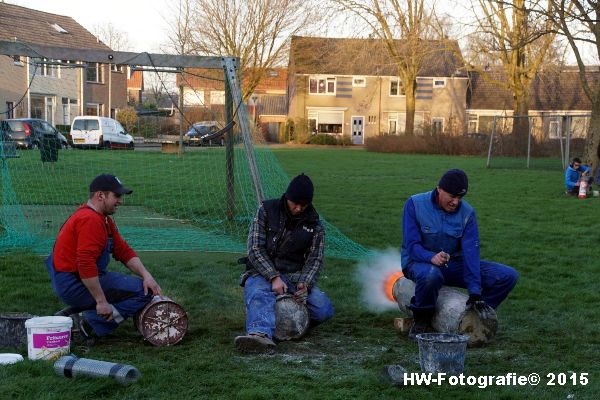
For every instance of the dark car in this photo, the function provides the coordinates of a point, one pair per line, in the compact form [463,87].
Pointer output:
[202,134]
[27,133]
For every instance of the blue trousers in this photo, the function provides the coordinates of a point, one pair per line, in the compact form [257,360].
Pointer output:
[260,305]
[497,280]
[124,292]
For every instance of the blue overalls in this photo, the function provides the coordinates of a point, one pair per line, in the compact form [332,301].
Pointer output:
[124,292]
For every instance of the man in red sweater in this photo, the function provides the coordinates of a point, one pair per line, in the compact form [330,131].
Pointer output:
[78,264]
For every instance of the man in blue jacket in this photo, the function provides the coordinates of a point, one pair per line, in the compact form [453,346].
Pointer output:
[440,246]
[574,173]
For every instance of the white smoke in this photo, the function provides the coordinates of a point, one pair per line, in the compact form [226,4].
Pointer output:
[372,274]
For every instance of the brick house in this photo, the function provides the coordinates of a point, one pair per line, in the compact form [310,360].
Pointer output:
[135,87]
[61,91]
[555,94]
[351,87]
[267,105]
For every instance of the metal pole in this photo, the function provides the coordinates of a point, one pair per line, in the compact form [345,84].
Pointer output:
[110,91]
[181,116]
[528,139]
[487,165]
[242,114]
[229,154]
[560,138]
[568,140]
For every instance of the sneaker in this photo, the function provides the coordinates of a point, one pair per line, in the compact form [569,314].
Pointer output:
[254,343]
[419,327]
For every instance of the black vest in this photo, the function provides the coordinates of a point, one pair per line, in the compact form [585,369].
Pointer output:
[289,238]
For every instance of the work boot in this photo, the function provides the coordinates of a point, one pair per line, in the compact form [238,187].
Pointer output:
[82,332]
[254,343]
[421,323]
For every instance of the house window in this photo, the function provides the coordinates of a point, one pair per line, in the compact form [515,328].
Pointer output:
[117,68]
[217,97]
[330,122]
[396,87]
[193,97]
[59,28]
[93,109]
[372,119]
[359,81]
[18,61]
[554,130]
[473,123]
[10,109]
[393,126]
[437,126]
[48,69]
[322,85]
[94,73]
[439,83]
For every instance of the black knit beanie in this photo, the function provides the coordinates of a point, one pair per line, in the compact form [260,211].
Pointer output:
[300,189]
[454,182]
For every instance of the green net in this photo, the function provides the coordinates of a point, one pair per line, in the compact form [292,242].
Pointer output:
[179,202]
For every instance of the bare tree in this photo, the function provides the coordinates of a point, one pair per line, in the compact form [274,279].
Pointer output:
[256,31]
[113,37]
[404,27]
[181,32]
[579,22]
[518,39]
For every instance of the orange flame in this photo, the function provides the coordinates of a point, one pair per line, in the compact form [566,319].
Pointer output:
[388,284]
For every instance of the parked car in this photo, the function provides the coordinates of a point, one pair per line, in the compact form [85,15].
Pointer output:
[99,132]
[27,133]
[201,134]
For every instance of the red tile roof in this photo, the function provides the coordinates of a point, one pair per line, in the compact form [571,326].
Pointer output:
[33,26]
[344,56]
[212,79]
[550,90]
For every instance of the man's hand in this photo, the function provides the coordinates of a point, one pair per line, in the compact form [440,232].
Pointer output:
[104,309]
[150,283]
[301,293]
[479,306]
[440,259]
[278,285]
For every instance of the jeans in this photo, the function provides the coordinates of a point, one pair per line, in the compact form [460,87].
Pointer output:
[497,280]
[260,305]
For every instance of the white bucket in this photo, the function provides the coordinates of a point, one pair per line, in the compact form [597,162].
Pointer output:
[48,338]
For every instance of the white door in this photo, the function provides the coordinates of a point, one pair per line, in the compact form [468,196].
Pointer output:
[358,128]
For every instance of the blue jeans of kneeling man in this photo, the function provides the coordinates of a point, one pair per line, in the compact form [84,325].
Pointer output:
[260,305]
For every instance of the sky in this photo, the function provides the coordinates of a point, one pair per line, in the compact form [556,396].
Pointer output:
[142,20]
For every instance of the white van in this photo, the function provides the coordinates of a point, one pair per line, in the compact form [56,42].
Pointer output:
[99,132]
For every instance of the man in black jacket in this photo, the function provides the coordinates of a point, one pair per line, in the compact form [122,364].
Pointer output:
[285,255]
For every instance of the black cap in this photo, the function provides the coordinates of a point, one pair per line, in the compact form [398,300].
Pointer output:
[108,183]
[454,182]
[300,189]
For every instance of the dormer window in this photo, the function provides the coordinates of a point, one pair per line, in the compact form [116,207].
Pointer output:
[59,28]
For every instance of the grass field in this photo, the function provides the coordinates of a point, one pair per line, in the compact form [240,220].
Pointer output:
[549,324]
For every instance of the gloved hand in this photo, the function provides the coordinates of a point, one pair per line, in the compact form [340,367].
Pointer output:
[301,293]
[476,303]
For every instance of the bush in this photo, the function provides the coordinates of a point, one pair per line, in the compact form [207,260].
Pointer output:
[128,118]
[323,139]
[448,145]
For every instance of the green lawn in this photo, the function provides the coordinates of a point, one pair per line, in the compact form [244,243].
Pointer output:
[549,324]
